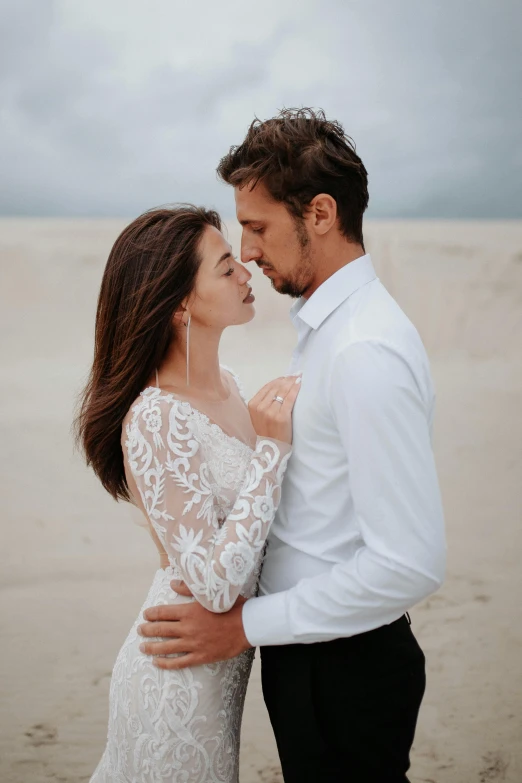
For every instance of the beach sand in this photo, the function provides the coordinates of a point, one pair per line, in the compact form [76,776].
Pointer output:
[75,568]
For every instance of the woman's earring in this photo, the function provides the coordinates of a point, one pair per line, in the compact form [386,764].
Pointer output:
[188,349]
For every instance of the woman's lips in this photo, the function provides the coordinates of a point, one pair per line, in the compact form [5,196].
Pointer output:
[249,298]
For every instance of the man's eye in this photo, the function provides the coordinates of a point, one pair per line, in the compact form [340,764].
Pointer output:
[257,230]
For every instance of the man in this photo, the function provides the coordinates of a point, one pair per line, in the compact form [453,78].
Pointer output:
[358,538]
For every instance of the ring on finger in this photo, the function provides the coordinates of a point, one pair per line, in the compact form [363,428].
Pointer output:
[278,399]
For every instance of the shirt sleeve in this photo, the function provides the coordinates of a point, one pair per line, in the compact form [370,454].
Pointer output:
[384,425]
[215,552]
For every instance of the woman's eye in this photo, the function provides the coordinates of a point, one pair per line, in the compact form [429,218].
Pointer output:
[230,271]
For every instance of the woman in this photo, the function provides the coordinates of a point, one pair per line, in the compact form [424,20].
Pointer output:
[164,426]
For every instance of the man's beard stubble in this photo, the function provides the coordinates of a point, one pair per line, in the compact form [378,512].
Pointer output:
[297,286]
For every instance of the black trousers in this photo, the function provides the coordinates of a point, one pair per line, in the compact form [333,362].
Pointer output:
[346,710]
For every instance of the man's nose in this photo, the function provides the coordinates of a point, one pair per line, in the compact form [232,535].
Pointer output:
[249,251]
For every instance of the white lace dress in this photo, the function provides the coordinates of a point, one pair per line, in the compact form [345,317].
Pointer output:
[209,489]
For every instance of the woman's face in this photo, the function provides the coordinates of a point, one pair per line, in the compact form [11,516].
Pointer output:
[222,293]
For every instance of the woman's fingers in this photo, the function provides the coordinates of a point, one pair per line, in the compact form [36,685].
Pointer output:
[291,396]
[271,412]
[285,388]
[276,388]
[266,391]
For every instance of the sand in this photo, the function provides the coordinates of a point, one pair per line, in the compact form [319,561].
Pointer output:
[75,568]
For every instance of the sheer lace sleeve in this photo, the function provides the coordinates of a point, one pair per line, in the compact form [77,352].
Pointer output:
[212,527]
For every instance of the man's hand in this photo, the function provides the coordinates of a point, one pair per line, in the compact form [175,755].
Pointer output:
[203,636]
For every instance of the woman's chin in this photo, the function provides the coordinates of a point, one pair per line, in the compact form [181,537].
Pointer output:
[247,313]
[250,312]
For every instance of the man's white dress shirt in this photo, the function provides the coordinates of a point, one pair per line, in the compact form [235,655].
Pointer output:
[359,534]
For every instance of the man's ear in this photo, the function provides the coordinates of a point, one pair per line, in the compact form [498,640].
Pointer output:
[322,213]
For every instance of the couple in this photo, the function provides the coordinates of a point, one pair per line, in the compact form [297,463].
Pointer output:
[307,522]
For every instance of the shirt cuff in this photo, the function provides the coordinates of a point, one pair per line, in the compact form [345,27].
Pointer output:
[265,620]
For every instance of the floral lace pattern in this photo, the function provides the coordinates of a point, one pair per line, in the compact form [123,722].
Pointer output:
[210,499]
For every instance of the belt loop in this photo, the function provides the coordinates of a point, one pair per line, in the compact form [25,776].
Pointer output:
[408,617]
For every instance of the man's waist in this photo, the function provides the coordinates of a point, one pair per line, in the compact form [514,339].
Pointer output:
[380,638]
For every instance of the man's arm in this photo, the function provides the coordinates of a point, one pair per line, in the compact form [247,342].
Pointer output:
[383,423]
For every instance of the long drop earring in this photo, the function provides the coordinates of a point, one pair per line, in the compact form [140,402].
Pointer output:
[188,350]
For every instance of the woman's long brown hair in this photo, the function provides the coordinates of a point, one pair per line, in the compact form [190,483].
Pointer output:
[151,269]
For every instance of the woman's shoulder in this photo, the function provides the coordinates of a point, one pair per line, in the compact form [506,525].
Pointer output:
[159,419]
[151,409]
[151,397]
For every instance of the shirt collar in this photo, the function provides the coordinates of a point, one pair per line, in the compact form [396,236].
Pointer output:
[333,292]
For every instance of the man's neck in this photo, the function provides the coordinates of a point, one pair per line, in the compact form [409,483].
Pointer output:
[333,259]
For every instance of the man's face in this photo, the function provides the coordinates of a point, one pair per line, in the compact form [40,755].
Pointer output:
[279,244]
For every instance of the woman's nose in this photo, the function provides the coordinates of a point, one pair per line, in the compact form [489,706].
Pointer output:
[243,275]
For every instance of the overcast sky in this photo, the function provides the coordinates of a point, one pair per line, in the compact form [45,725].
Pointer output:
[109,107]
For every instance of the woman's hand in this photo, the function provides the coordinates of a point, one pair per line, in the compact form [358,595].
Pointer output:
[272,418]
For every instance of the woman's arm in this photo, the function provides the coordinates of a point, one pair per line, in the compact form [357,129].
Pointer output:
[216,556]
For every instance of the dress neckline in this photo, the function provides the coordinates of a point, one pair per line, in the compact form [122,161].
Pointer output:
[197,412]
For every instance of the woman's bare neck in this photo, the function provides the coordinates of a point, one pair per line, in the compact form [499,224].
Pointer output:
[209,389]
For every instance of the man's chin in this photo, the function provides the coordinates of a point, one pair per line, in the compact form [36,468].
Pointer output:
[285,288]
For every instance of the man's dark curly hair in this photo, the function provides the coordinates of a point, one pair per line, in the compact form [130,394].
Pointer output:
[298,155]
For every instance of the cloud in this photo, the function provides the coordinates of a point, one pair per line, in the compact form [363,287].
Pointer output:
[109,108]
